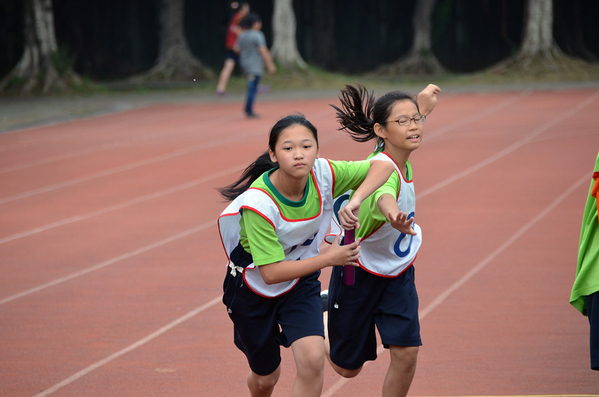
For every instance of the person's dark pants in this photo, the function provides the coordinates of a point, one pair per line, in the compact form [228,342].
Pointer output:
[593,314]
[252,89]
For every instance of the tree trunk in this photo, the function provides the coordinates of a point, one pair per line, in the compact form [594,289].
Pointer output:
[175,61]
[539,57]
[36,69]
[284,49]
[538,31]
[420,60]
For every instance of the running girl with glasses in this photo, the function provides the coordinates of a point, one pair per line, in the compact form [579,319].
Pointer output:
[280,211]
[384,292]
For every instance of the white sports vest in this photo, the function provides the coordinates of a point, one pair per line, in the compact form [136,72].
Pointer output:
[377,254]
[300,238]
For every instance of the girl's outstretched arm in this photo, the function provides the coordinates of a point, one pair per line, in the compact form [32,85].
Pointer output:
[398,219]
[378,174]
[427,99]
[336,255]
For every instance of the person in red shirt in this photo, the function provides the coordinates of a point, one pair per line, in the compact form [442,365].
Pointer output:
[240,11]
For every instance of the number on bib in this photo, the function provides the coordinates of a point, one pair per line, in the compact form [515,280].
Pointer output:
[402,245]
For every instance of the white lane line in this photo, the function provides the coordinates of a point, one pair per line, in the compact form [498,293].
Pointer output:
[114,145]
[342,381]
[477,116]
[110,261]
[129,348]
[476,269]
[131,202]
[122,168]
[339,384]
[236,138]
[90,130]
[537,131]
[119,206]
[432,189]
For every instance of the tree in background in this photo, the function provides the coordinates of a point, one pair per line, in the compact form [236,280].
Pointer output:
[175,61]
[42,66]
[420,59]
[284,49]
[538,32]
[539,54]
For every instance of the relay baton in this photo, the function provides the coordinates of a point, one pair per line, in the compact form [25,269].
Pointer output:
[349,272]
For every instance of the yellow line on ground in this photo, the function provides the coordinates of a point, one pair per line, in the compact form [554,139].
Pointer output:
[532,395]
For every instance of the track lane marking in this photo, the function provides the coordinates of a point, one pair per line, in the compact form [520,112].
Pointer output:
[477,116]
[126,167]
[513,147]
[122,205]
[118,258]
[115,145]
[129,348]
[110,261]
[93,129]
[137,346]
[339,384]
[475,270]
[342,381]
[163,157]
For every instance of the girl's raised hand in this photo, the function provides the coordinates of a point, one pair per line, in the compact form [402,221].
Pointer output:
[427,99]
[348,215]
[402,223]
[344,255]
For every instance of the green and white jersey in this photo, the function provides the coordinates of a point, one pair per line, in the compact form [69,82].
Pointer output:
[272,228]
[384,251]
[587,270]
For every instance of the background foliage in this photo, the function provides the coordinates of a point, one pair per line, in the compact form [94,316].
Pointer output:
[114,39]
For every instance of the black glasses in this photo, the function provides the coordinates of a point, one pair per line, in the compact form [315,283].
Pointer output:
[405,121]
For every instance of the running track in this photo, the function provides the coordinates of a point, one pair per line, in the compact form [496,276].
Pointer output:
[112,267]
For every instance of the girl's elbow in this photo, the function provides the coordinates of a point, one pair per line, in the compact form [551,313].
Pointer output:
[268,276]
[268,280]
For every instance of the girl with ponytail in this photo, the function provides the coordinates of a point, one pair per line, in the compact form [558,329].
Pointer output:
[280,210]
[384,292]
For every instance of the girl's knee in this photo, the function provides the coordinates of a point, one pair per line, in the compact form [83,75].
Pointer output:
[406,355]
[263,384]
[309,356]
[348,373]
[312,363]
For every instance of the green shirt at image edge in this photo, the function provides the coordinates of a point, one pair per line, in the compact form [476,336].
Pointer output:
[587,271]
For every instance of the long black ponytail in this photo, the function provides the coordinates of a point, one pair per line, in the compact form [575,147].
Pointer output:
[263,163]
[360,111]
[249,175]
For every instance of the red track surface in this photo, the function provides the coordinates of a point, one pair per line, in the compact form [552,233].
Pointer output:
[112,267]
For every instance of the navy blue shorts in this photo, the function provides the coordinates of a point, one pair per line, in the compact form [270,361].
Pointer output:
[262,325]
[230,54]
[592,302]
[389,303]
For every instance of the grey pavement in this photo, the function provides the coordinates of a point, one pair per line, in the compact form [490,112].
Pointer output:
[24,112]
